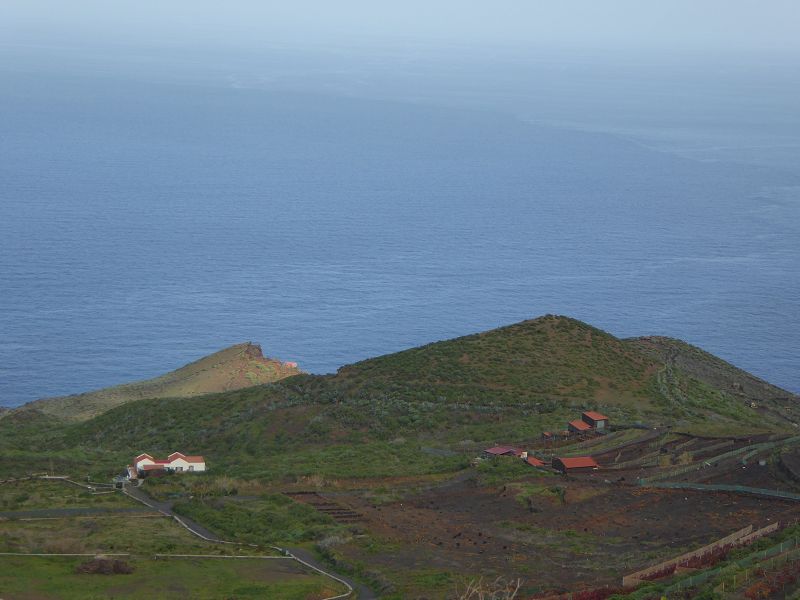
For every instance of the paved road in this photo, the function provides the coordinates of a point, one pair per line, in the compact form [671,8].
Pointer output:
[362,591]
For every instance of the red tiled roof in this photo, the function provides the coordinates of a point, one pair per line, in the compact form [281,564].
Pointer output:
[579,462]
[580,425]
[534,462]
[190,459]
[152,467]
[172,457]
[595,416]
[498,450]
[546,433]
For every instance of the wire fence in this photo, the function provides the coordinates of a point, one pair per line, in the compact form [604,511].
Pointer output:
[731,575]
[746,450]
[724,487]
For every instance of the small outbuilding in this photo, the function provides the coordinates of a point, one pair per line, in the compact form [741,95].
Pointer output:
[577,464]
[595,419]
[578,426]
[501,451]
[533,461]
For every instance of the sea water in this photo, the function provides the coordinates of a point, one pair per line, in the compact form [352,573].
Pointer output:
[149,217]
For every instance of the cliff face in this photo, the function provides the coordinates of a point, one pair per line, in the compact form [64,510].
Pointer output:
[239,366]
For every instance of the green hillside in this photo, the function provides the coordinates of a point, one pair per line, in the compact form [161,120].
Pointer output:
[547,358]
[383,416]
[708,368]
[239,366]
[737,386]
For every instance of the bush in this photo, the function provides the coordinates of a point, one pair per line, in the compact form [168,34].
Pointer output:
[104,566]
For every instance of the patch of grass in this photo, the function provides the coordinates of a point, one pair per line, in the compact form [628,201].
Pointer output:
[527,494]
[497,471]
[273,518]
[133,534]
[201,579]
[41,494]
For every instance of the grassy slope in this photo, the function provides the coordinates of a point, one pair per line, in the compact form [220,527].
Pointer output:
[529,361]
[377,417]
[735,386]
[239,366]
[708,368]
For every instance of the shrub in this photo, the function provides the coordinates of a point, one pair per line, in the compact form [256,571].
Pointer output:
[104,566]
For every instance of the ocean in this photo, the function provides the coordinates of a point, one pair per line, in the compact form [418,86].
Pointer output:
[152,214]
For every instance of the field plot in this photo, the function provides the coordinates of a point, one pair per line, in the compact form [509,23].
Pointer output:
[48,494]
[44,521]
[142,534]
[551,532]
[56,579]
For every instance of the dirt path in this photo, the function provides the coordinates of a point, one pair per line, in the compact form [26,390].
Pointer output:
[300,555]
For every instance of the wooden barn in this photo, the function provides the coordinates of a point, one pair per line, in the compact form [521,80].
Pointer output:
[577,464]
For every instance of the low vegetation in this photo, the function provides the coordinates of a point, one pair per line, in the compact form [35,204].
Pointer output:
[201,579]
[239,366]
[384,432]
[269,519]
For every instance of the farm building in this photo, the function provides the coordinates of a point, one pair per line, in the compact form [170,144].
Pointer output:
[578,464]
[533,461]
[501,451]
[595,419]
[578,426]
[174,463]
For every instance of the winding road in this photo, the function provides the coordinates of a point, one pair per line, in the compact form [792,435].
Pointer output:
[302,556]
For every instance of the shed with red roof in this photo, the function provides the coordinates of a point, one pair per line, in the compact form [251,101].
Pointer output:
[576,464]
[595,419]
[502,451]
[578,426]
[533,461]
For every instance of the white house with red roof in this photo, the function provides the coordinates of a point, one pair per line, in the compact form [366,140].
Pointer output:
[176,462]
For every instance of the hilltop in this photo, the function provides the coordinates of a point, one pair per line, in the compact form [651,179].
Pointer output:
[549,358]
[235,367]
[510,383]
[373,416]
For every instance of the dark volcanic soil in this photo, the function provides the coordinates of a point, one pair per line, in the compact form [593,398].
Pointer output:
[599,532]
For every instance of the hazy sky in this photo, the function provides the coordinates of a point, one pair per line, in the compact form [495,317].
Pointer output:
[684,26]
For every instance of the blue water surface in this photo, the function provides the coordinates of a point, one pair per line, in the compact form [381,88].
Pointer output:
[145,223]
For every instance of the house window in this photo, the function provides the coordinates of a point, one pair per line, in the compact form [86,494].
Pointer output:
[191,467]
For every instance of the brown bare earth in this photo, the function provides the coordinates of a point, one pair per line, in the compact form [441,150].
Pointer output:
[597,533]
[564,533]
